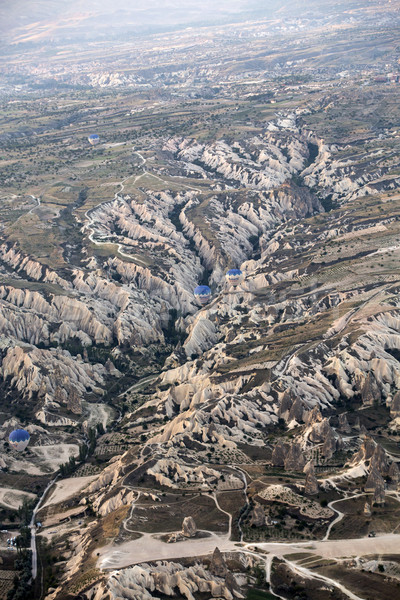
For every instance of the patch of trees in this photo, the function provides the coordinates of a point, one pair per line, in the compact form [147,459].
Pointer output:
[85,451]
[22,588]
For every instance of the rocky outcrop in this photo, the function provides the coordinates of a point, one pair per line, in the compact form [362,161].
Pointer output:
[106,506]
[202,336]
[379,460]
[294,460]
[218,566]
[279,454]
[32,371]
[367,509]
[309,467]
[370,392]
[74,403]
[313,417]
[320,431]
[344,426]
[107,478]
[296,412]
[285,404]
[172,474]
[168,579]
[189,528]
[311,484]
[330,445]
[374,480]
[394,473]
[290,407]
[267,168]
[379,492]
[365,452]
[395,406]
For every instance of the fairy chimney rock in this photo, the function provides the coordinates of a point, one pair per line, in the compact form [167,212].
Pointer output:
[344,424]
[218,565]
[294,460]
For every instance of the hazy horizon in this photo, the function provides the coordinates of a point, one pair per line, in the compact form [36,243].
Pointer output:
[62,19]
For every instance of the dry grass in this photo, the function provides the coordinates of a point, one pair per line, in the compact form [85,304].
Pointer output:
[355,524]
[369,586]
[168,514]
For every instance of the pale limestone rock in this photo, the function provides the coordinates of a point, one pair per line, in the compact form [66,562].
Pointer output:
[367,509]
[122,498]
[189,528]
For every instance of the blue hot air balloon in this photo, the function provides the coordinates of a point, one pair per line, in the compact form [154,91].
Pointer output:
[19,439]
[234,277]
[203,294]
[93,139]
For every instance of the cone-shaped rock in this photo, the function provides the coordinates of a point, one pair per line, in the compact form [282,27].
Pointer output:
[394,472]
[395,406]
[311,483]
[218,565]
[320,431]
[279,454]
[329,447]
[285,404]
[365,452]
[379,460]
[232,585]
[296,413]
[374,479]
[294,460]
[309,466]
[344,424]
[370,392]
[313,416]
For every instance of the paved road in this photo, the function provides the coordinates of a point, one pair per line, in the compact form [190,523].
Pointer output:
[33,528]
